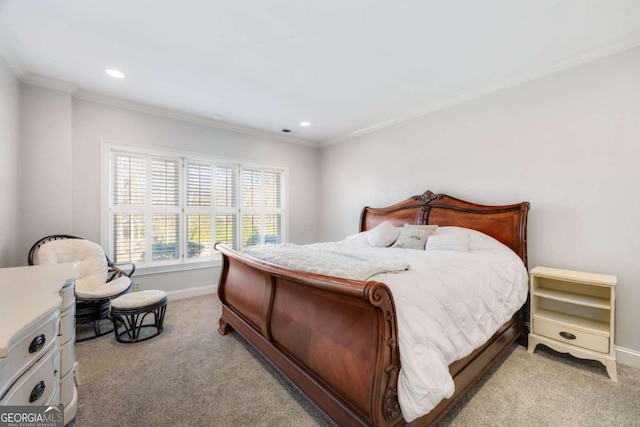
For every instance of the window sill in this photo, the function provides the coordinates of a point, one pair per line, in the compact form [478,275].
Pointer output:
[143,270]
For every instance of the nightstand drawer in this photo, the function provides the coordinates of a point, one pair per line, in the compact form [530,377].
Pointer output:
[563,333]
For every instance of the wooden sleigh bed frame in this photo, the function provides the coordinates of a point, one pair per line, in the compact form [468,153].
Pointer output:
[336,339]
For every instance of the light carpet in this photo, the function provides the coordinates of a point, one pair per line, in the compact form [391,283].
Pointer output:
[190,375]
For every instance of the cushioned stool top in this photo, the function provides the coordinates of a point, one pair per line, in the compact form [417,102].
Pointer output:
[138,299]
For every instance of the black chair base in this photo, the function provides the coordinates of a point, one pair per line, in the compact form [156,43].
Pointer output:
[92,313]
[129,322]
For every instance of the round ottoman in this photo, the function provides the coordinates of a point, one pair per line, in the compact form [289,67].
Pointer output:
[129,311]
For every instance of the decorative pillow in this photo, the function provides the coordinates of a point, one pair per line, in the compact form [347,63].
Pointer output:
[382,235]
[414,236]
[448,242]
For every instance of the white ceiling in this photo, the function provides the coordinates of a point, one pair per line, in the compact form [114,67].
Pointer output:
[347,66]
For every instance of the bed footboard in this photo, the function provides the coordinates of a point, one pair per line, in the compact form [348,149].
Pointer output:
[336,339]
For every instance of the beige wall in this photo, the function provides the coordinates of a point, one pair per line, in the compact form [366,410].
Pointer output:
[9,165]
[568,143]
[45,179]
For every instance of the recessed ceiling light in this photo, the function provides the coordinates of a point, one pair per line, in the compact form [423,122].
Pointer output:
[305,124]
[115,73]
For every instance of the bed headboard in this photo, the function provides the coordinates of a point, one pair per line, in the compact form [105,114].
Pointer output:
[507,223]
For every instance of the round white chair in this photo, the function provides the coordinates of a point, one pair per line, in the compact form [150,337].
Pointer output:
[99,281]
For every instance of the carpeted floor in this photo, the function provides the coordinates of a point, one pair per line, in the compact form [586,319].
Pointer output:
[192,376]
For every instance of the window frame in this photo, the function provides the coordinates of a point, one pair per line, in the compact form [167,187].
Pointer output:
[184,263]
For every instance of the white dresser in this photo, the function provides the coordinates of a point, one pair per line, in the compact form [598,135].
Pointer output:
[37,336]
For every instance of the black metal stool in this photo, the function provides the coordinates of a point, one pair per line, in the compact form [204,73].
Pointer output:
[129,311]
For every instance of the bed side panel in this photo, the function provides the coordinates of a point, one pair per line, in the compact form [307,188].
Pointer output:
[334,338]
[247,291]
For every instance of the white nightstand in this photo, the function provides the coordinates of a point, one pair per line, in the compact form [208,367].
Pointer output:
[573,312]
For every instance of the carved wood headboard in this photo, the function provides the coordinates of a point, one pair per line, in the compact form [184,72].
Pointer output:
[506,223]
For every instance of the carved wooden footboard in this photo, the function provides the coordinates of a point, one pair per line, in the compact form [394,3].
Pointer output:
[336,339]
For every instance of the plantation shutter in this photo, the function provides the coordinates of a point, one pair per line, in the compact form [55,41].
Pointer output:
[165,210]
[129,181]
[199,209]
[261,206]
[165,198]
[273,205]
[226,205]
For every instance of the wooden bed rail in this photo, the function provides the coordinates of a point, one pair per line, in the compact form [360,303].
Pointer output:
[304,322]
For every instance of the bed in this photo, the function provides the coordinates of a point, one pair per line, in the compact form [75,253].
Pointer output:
[336,339]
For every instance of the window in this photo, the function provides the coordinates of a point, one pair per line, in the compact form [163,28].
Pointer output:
[171,208]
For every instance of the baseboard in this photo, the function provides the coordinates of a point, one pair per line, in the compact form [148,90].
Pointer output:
[192,292]
[628,357]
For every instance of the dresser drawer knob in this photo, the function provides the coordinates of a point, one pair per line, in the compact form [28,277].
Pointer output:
[37,392]
[37,343]
[567,335]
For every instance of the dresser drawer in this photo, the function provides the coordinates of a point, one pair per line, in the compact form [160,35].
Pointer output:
[582,339]
[37,384]
[32,346]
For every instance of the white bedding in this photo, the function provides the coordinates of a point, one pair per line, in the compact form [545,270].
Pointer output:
[320,260]
[448,303]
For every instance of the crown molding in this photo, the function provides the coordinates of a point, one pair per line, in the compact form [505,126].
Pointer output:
[50,83]
[78,93]
[185,117]
[536,74]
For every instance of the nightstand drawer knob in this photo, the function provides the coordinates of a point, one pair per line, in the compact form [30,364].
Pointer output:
[567,335]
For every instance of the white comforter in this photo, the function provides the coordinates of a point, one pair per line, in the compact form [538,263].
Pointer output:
[448,304]
[322,260]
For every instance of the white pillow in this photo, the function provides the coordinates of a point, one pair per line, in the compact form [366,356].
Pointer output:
[477,239]
[382,235]
[414,236]
[448,242]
